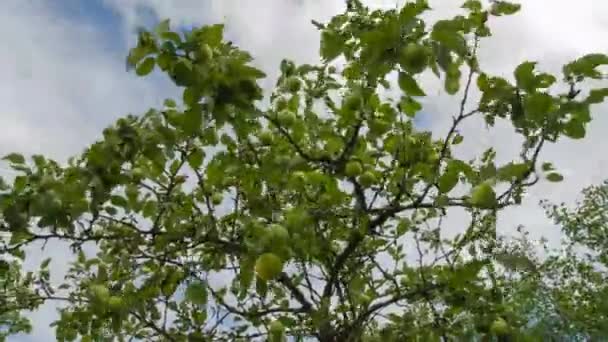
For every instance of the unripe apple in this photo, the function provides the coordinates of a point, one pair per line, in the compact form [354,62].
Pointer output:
[293,84]
[353,168]
[115,303]
[266,137]
[414,58]
[278,233]
[100,292]
[483,196]
[286,117]
[367,179]
[499,327]
[268,266]
[217,198]
[205,53]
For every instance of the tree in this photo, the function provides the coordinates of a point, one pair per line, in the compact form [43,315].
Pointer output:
[219,218]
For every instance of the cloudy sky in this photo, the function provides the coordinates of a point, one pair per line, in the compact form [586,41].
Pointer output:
[64,79]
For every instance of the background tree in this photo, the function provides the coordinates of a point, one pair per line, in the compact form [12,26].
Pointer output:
[317,216]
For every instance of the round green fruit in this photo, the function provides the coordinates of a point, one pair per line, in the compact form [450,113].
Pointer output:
[483,196]
[293,84]
[268,266]
[499,327]
[276,328]
[115,303]
[353,168]
[367,179]
[100,293]
[217,199]
[281,104]
[414,58]
[278,233]
[205,53]
[266,137]
[286,118]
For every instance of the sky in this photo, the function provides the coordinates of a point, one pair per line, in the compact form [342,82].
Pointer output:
[64,78]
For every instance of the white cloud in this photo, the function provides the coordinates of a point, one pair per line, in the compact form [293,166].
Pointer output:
[59,89]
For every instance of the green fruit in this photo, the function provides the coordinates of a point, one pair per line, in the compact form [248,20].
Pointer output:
[138,172]
[499,327]
[205,53]
[414,58]
[266,137]
[115,303]
[293,84]
[286,118]
[217,199]
[278,233]
[276,329]
[433,157]
[100,293]
[281,104]
[483,196]
[268,266]
[367,179]
[353,168]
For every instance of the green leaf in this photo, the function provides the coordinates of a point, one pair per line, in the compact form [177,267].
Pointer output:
[163,26]
[457,139]
[448,181]
[515,261]
[512,171]
[452,84]
[195,159]
[182,73]
[597,95]
[145,67]
[409,85]
[172,36]
[331,45]
[211,34]
[193,121]
[538,105]
[191,96]
[15,158]
[196,293]
[170,103]
[135,55]
[554,177]
[548,166]
[500,8]
[45,263]
[524,76]
[447,32]
[410,106]
[119,201]
[574,129]
[545,81]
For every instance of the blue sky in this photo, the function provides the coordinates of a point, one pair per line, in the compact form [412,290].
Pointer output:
[64,79]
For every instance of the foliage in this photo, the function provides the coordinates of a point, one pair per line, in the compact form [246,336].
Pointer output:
[168,214]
